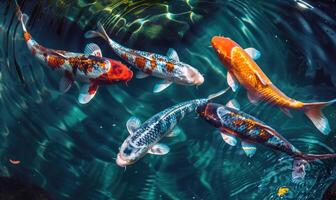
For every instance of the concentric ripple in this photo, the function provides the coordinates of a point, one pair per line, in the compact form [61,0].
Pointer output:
[69,149]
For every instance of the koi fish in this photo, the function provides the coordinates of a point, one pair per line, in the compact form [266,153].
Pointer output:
[243,69]
[234,124]
[90,67]
[169,67]
[144,137]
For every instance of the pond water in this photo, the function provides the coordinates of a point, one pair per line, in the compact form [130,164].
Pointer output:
[69,149]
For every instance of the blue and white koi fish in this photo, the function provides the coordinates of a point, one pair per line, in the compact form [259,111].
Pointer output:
[90,67]
[233,124]
[169,67]
[144,137]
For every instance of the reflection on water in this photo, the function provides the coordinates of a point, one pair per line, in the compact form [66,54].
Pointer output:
[69,149]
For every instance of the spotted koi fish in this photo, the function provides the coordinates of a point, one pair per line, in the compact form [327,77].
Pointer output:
[243,69]
[169,67]
[144,137]
[233,124]
[90,67]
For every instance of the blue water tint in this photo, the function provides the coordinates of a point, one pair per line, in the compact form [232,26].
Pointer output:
[70,149]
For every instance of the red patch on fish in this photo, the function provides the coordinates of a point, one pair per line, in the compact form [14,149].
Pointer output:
[14,162]
[92,89]
[117,72]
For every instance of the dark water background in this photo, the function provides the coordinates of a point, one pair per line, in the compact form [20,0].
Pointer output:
[68,148]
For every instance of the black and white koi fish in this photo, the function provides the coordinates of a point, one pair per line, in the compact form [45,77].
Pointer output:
[144,137]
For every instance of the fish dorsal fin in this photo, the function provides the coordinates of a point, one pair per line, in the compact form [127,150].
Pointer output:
[233,104]
[133,124]
[260,78]
[228,138]
[161,86]
[65,82]
[92,49]
[159,149]
[24,19]
[222,111]
[232,82]
[253,53]
[172,54]
[87,92]
[248,148]
[141,75]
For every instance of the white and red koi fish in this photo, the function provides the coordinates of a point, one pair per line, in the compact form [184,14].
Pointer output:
[169,67]
[243,69]
[144,137]
[233,124]
[90,67]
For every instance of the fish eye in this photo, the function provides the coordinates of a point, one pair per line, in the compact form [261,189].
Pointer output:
[127,151]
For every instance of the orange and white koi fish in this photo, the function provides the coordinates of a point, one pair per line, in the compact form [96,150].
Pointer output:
[243,69]
[169,68]
[90,67]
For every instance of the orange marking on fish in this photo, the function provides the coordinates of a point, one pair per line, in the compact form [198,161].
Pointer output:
[55,62]
[170,66]
[14,162]
[140,62]
[124,56]
[26,36]
[153,64]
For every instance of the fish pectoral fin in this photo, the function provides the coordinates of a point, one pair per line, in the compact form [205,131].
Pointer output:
[287,112]
[87,92]
[161,86]
[232,82]
[133,124]
[65,83]
[248,148]
[299,170]
[175,132]
[172,54]
[252,98]
[141,75]
[159,149]
[260,78]
[233,104]
[253,53]
[93,50]
[228,138]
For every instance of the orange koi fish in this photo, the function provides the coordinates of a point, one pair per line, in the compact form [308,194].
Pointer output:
[243,69]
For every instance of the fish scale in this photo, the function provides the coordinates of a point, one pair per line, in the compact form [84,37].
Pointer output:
[160,124]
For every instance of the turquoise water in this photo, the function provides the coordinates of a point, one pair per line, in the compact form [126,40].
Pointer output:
[69,149]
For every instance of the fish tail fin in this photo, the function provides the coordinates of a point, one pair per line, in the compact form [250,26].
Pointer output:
[312,157]
[215,95]
[100,32]
[314,113]
[22,17]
